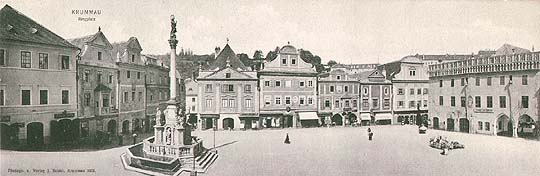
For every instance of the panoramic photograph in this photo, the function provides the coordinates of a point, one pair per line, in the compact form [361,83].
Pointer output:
[271,87]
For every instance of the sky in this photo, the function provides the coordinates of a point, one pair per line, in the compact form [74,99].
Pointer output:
[348,31]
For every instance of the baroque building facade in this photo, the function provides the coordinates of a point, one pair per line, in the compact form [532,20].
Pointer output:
[338,96]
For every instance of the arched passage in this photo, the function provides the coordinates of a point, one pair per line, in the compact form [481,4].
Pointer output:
[504,126]
[435,123]
[125,127]
[525,124]
[337,119]
[111,127]
[228,123]
[136,125]
[9,136]
[464,125]
[450,124]
[353,118]
[34,135]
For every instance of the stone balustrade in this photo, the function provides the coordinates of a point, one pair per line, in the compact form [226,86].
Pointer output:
[172,151]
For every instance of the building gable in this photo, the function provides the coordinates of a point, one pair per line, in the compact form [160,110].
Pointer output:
[228,73]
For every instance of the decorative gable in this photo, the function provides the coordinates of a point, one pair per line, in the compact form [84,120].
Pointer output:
[229,73]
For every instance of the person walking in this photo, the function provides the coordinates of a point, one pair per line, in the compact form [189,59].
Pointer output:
[287,141]
[134,138]
[370,134]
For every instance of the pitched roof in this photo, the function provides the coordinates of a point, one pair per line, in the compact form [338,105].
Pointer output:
[17,26]
[81,41]
[121,46]
[442,56]
[508,49]
[227,56]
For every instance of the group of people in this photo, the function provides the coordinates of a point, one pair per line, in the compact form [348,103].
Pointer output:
[444,144]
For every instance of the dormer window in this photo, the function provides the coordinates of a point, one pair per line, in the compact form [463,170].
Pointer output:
[132,58]
[227,75]
[284,61]
[338,77]
[98,55]
[293,61]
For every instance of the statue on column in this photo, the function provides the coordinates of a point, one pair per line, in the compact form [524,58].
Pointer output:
[158,116]
[173,28]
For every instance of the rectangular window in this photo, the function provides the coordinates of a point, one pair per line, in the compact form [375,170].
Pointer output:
[386,103]
[440,83]
[247,88]
[327,103]
[132,58]
[400,91]
[99,76]
[224,103]
[65,96]
[525,101]
[43,61]
[25,97]
[287,100]
[302,100]
[248,103]
[227,75]
[375,103]
[140,96]
[87,99]
[478,101]
[501,80]
[284,61]
[462,81]
[267,100]
[43,97]
[354,103]
[480,124]
[346,88]
[208,88]
[232,103]
[502,101]
[524,80]
[138,75]
[26,59]
[302,83]
[2,57]
[310,83]
[365,103]
[487,127]
[65,62]
[452,83]
[425,103]
[128,74]
[227,88]
[126,96]
[132,96]
[278,83]
[98,55]
[336,104]
[110,78]
[489,81]
[411,91]
[293,61]
[267,83]
[105,101]
[489,101]
[208,103]
[441,100]
[332,89]
[400,104]
[310,100]
[463,101]
[425,91]
[2,99]
[452,101]
[86,75]
[477,81]
[412,104]
[419,92]
[278,100]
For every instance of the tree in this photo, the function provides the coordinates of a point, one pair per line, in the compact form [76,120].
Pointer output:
[271,55]
[258,54]
[331,63]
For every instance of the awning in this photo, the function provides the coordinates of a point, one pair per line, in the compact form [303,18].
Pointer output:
[383,116]
[365,116]
[308,116]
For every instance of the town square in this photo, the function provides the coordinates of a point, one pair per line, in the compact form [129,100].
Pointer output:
[270,88]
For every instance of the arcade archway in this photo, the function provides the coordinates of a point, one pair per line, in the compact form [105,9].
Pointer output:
[228,123]
[504,126]
[337,119]
[34,135]
[525,126]
[464,125]
[435,123]
[111,127]
[10,136]
[450,124]
[125,127]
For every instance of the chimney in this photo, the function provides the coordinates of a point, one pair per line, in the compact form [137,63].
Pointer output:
[217,49]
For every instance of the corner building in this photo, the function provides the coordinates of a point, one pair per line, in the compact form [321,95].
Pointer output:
[487,95]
